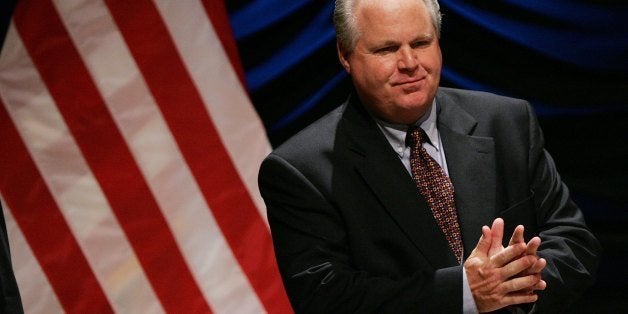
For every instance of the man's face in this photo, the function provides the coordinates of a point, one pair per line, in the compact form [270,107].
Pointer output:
[397,61]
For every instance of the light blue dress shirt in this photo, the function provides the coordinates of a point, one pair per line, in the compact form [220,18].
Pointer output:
[396,136]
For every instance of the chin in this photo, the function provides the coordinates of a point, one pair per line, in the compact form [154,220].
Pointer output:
[414,102]
[410,109]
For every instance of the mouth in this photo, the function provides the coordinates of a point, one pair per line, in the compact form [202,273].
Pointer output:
[411,85]
[408,82]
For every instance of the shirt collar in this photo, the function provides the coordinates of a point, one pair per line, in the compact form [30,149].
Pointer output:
[396,133]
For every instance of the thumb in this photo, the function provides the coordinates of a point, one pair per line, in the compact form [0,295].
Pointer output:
[484,244]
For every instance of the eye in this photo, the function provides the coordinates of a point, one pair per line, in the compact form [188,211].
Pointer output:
[385,50]
[420,43]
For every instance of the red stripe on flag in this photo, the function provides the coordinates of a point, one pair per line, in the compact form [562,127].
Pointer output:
[217,13]
[202,147]
[44,227]
[108,156]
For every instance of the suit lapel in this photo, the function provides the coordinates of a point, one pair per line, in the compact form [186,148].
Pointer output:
[471,165]
[386,176]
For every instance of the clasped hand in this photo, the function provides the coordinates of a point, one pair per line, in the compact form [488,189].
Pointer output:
[498,276]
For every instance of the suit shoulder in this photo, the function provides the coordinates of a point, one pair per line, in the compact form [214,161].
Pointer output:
[483,104]
[316,137]
[470,97]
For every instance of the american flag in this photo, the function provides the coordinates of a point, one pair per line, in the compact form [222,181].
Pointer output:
[128,161]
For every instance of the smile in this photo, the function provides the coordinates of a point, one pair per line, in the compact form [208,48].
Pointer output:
[410,86]
[408,82]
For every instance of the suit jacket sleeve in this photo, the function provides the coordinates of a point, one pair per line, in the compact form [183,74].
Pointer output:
[528,189]
[571,250]
[316,267]
[10,301]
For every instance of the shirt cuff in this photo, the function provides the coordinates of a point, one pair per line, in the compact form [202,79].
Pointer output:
[468,303]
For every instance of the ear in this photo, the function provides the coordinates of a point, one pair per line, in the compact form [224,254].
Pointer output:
[343,56]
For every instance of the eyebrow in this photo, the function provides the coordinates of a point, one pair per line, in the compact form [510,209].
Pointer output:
[427,36]
[422,37]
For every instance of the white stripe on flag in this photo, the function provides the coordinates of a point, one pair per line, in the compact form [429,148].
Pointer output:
[128,99]
[35,290]
[72,184]
[220,89]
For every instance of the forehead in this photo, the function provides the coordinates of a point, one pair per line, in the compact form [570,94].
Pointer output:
[392,17]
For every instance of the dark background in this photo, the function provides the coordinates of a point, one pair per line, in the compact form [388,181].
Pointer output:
[569,58]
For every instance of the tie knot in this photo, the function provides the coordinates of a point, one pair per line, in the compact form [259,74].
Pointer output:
[415,136]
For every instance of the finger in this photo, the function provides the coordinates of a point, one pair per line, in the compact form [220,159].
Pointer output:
[517,266]
[484,244]
[533,246]
[517,235]
[520,298]
[541,285]
[497,232]
[520,283]
[536,268]
[508,254]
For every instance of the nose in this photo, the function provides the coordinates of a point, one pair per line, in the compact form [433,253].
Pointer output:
[408,60]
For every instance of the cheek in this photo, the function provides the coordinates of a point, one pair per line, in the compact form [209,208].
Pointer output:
[432,61]
[434,66]
[381,71]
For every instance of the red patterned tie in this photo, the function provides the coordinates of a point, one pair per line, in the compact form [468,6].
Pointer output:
[436,188]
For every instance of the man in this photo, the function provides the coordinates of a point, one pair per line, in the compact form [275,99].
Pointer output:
[10,301]
[364,221]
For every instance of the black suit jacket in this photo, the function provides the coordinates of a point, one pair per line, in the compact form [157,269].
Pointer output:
[353,234]
[10,301]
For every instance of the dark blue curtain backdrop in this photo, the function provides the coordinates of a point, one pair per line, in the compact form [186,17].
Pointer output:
[568,57]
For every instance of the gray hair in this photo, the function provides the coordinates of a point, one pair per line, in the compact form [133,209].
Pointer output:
[345,22]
